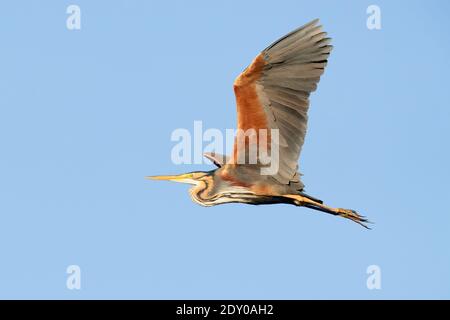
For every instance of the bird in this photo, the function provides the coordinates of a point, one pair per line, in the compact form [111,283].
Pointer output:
[272,93]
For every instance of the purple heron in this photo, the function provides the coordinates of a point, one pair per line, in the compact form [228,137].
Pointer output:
[272,93]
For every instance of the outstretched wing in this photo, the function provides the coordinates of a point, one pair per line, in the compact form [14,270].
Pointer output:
[273,92]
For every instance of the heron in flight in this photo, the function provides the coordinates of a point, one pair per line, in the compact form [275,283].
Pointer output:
[272,93]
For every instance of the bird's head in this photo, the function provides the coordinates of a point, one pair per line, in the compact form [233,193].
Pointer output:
[202,183]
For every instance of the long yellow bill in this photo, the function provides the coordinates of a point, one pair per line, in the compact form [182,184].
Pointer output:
[183,178]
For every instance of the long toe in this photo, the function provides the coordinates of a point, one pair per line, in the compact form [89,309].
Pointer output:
[354,216]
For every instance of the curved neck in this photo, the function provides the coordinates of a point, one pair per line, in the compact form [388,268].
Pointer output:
[201,193]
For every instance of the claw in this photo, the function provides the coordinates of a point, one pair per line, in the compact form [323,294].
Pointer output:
[354,216]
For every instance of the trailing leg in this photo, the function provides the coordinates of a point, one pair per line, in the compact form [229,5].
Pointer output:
[345,213]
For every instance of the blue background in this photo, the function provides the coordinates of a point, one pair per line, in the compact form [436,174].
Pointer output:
[85,115]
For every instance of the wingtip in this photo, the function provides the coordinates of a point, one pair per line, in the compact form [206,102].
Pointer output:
[314,23]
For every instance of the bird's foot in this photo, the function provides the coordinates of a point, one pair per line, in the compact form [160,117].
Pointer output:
[354,216]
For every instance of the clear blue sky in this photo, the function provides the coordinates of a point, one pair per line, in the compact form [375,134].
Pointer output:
[85,115]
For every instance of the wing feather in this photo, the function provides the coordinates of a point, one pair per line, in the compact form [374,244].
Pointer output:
[273,92]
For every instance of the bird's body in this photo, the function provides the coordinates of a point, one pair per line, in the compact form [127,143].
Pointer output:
[240,183]
[272,98]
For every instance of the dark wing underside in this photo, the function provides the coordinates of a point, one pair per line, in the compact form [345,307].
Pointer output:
[273,92]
